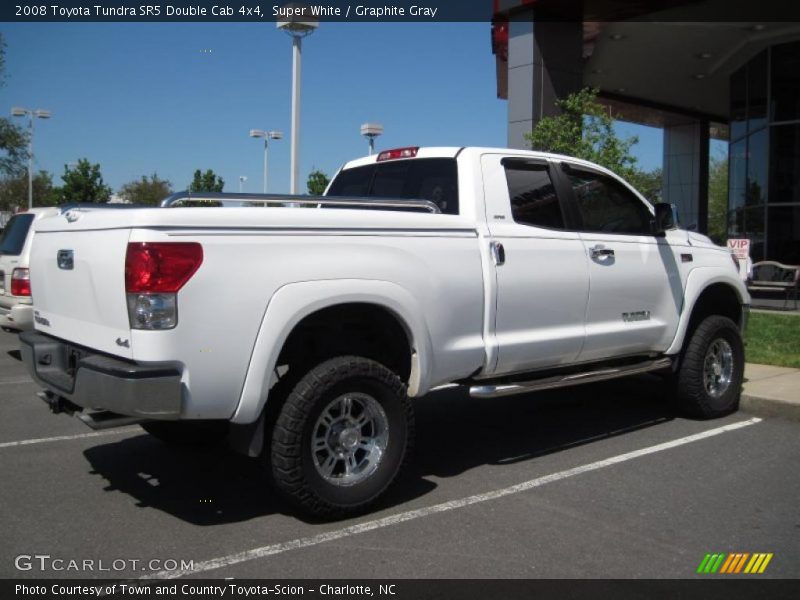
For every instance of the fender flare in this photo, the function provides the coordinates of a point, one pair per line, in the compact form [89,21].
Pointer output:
[293,302]
[700,279]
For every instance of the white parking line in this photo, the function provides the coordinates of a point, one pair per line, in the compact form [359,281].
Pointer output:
[264,551]
[17,381]
[61,438]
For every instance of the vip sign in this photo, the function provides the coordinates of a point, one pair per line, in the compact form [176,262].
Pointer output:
[741,250]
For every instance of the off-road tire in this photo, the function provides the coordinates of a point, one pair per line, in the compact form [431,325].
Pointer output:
[691,394]
[291,458]
[187,433]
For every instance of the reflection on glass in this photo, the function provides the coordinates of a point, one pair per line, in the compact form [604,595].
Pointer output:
[757,92]
[739,103]
[786,82]
[754,231]
[738,174]
[784,185]
[756,192]
[736,223]
[783,244]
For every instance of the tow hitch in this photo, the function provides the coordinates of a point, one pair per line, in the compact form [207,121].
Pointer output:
[58,404]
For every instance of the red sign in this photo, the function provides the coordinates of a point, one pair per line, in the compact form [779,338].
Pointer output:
[740,247]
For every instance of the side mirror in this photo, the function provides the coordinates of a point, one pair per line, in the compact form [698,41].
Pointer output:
[666,217]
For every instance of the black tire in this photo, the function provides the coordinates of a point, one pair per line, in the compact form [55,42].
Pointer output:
[693,393]
[295,466]
[187,433]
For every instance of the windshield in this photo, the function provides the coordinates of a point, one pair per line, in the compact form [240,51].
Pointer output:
[14,234]
[434,179]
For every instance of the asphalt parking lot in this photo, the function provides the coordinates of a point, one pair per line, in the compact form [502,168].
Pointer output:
[601,481]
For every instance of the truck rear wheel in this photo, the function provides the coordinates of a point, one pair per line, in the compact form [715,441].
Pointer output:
[341,437]
[708,382]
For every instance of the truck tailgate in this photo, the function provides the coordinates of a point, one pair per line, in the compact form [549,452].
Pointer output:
[82,300]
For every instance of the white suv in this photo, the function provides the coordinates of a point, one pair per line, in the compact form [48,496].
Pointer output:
[16,308]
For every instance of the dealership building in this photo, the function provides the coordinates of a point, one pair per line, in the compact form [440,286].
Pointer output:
[670,64]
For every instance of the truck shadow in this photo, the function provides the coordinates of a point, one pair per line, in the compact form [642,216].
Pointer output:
[455,433]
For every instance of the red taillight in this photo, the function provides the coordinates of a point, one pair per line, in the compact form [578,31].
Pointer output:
[20,282]
[160,267]
[398,153]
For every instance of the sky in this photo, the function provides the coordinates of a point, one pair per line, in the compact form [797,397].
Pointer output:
[169,98]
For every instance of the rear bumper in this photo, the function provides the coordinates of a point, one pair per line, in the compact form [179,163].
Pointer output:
[18,317]
[97,381]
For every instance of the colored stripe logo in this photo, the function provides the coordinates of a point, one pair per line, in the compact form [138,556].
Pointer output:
[735,563]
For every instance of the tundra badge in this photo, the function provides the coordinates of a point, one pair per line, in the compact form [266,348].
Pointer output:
[639,315]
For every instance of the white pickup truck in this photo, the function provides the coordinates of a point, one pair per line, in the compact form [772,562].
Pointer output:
[301,331]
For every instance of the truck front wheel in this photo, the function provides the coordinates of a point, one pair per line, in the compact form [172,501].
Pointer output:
[341,436]
[708,382]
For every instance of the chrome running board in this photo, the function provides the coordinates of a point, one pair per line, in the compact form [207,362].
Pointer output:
[558,381]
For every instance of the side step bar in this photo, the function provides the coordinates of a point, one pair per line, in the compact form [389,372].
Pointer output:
[557,381]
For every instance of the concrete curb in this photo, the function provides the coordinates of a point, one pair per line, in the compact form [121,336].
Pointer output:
[771,392]
[769,407]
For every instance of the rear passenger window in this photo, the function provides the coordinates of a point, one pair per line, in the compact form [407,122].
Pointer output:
[606,206]
[533,196]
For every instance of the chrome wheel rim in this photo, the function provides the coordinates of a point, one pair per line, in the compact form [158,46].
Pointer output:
[718,368]
[349,439]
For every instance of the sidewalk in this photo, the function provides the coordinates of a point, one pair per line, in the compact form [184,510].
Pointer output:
[771,391]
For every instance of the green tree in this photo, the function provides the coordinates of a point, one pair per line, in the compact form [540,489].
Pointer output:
[317,182]
[13,149]
[206,182]
[84,183]
[14,191]
[147,190]
[13,139]
[718,199]
[2,60]
[585,130]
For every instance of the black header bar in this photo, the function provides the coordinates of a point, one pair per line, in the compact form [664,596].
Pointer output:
[376,11]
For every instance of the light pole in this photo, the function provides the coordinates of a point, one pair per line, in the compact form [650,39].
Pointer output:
[39,113]
[242,179]
[299,25]
[267,135]
[371,131]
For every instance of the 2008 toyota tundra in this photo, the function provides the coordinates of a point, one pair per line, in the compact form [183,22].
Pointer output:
[300,328]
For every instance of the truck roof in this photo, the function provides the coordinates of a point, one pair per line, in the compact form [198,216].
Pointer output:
[453,151]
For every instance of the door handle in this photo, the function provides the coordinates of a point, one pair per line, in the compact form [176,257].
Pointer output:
[498,253]
[600,251]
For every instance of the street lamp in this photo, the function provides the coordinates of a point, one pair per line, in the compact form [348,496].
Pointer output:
[242,179]
[39,113]
[371,131]
[299,24]
[267,135]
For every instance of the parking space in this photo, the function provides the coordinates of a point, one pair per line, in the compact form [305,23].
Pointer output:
[597,481]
